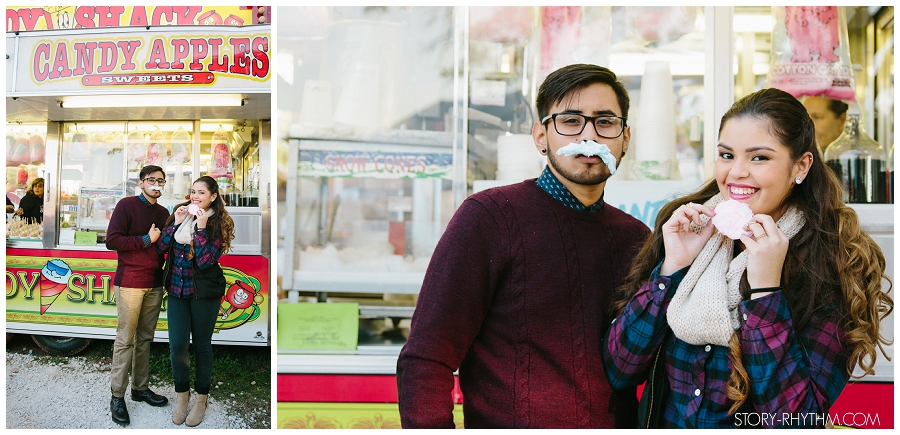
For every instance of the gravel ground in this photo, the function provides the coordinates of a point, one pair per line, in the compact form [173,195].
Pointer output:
[74,394]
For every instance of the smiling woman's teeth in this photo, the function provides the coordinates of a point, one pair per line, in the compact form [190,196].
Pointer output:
[743,190]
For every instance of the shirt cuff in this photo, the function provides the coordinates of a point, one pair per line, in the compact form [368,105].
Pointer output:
[146,238]
[767,310]
[668,282]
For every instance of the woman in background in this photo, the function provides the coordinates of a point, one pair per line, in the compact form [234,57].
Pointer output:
[196,234]
[32,205]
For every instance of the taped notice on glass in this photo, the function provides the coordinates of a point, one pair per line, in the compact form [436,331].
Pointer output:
[324,326]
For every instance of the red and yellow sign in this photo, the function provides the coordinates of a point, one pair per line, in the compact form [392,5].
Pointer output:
[23,18]
[59,291]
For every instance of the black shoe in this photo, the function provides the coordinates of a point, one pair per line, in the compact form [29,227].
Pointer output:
[119,411]
[148,396]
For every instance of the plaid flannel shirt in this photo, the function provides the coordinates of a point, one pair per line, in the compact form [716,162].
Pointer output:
[206,254]
[794,375]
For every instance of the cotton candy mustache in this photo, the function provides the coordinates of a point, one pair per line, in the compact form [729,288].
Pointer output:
[590,148]
[156,188]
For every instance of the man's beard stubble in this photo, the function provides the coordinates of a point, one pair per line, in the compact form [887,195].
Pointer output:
[586,179]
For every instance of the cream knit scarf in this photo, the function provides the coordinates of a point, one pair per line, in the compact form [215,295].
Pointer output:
[185,233]
[704,308]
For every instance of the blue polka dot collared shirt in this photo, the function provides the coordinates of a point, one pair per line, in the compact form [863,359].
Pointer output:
[551,185]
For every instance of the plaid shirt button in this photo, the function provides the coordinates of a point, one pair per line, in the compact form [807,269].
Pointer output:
[662,286]
[707,348]
[697,392]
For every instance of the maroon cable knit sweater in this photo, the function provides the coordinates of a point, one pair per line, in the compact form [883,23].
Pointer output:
[139,266]
[516,297]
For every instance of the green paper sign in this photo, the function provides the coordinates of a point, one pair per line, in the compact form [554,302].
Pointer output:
[325,326]
[85,238]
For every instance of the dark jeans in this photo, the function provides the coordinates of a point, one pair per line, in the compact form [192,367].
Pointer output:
[191,318]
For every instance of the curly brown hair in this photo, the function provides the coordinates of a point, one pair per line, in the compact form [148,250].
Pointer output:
[35,182]
[845,280]
[220,226]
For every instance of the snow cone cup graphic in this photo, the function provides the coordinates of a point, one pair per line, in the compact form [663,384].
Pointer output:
[54,279]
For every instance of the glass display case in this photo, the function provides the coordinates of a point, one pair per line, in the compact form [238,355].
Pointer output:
[383,145]
[100,164]
[25,155]
[372,147]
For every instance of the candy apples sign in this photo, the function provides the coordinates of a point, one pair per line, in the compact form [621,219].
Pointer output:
[163,58]
[169,60]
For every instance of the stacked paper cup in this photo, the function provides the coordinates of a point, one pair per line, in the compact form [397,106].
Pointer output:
[654,133]
[517,158]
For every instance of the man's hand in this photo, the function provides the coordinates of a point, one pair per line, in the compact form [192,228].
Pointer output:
[154,233]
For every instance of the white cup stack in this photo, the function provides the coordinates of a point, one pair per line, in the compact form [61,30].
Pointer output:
[517,158]
[654,132]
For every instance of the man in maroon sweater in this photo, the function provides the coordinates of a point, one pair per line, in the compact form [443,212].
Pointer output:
[133,229]
[517,291]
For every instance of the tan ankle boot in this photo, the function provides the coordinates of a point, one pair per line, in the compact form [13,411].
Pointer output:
[181,406]
[196,415]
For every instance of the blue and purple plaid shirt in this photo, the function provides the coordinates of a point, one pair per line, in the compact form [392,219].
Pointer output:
[206,254]
[793,374]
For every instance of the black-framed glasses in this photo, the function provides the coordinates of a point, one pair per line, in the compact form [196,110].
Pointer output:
[572,124]
[157,181]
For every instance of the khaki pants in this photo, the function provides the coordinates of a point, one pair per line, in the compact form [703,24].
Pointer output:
[138,312]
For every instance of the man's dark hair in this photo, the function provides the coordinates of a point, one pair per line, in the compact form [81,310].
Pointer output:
[578,76]
[837,107]
[149,169]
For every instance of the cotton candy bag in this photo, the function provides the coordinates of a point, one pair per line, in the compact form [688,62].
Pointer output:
[810,53]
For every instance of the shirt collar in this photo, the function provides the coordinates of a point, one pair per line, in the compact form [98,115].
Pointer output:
[551,185]
[144,200]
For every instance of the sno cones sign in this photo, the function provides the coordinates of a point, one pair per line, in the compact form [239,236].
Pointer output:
[54,279]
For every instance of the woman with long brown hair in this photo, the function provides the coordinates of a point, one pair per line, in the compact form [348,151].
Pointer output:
[771,324]
[196,234]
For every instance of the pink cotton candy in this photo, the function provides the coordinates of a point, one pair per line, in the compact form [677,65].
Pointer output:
[731,218]
[193,209]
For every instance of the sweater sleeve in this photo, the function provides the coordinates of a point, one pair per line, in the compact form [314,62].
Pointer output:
[116,233]
[453,302]
[635,335]
[31,208]
[790,371]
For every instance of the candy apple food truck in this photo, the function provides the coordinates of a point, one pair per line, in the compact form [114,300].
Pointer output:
[93,94]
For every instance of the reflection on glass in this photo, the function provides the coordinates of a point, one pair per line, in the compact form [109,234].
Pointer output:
[91,180]
[164,144]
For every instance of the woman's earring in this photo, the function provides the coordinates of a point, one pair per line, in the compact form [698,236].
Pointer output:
[543,150]
[798,180]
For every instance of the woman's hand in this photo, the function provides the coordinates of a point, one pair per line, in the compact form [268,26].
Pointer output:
[766,252]
[681,244]
[202,217]
[180,214]
[20,211]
